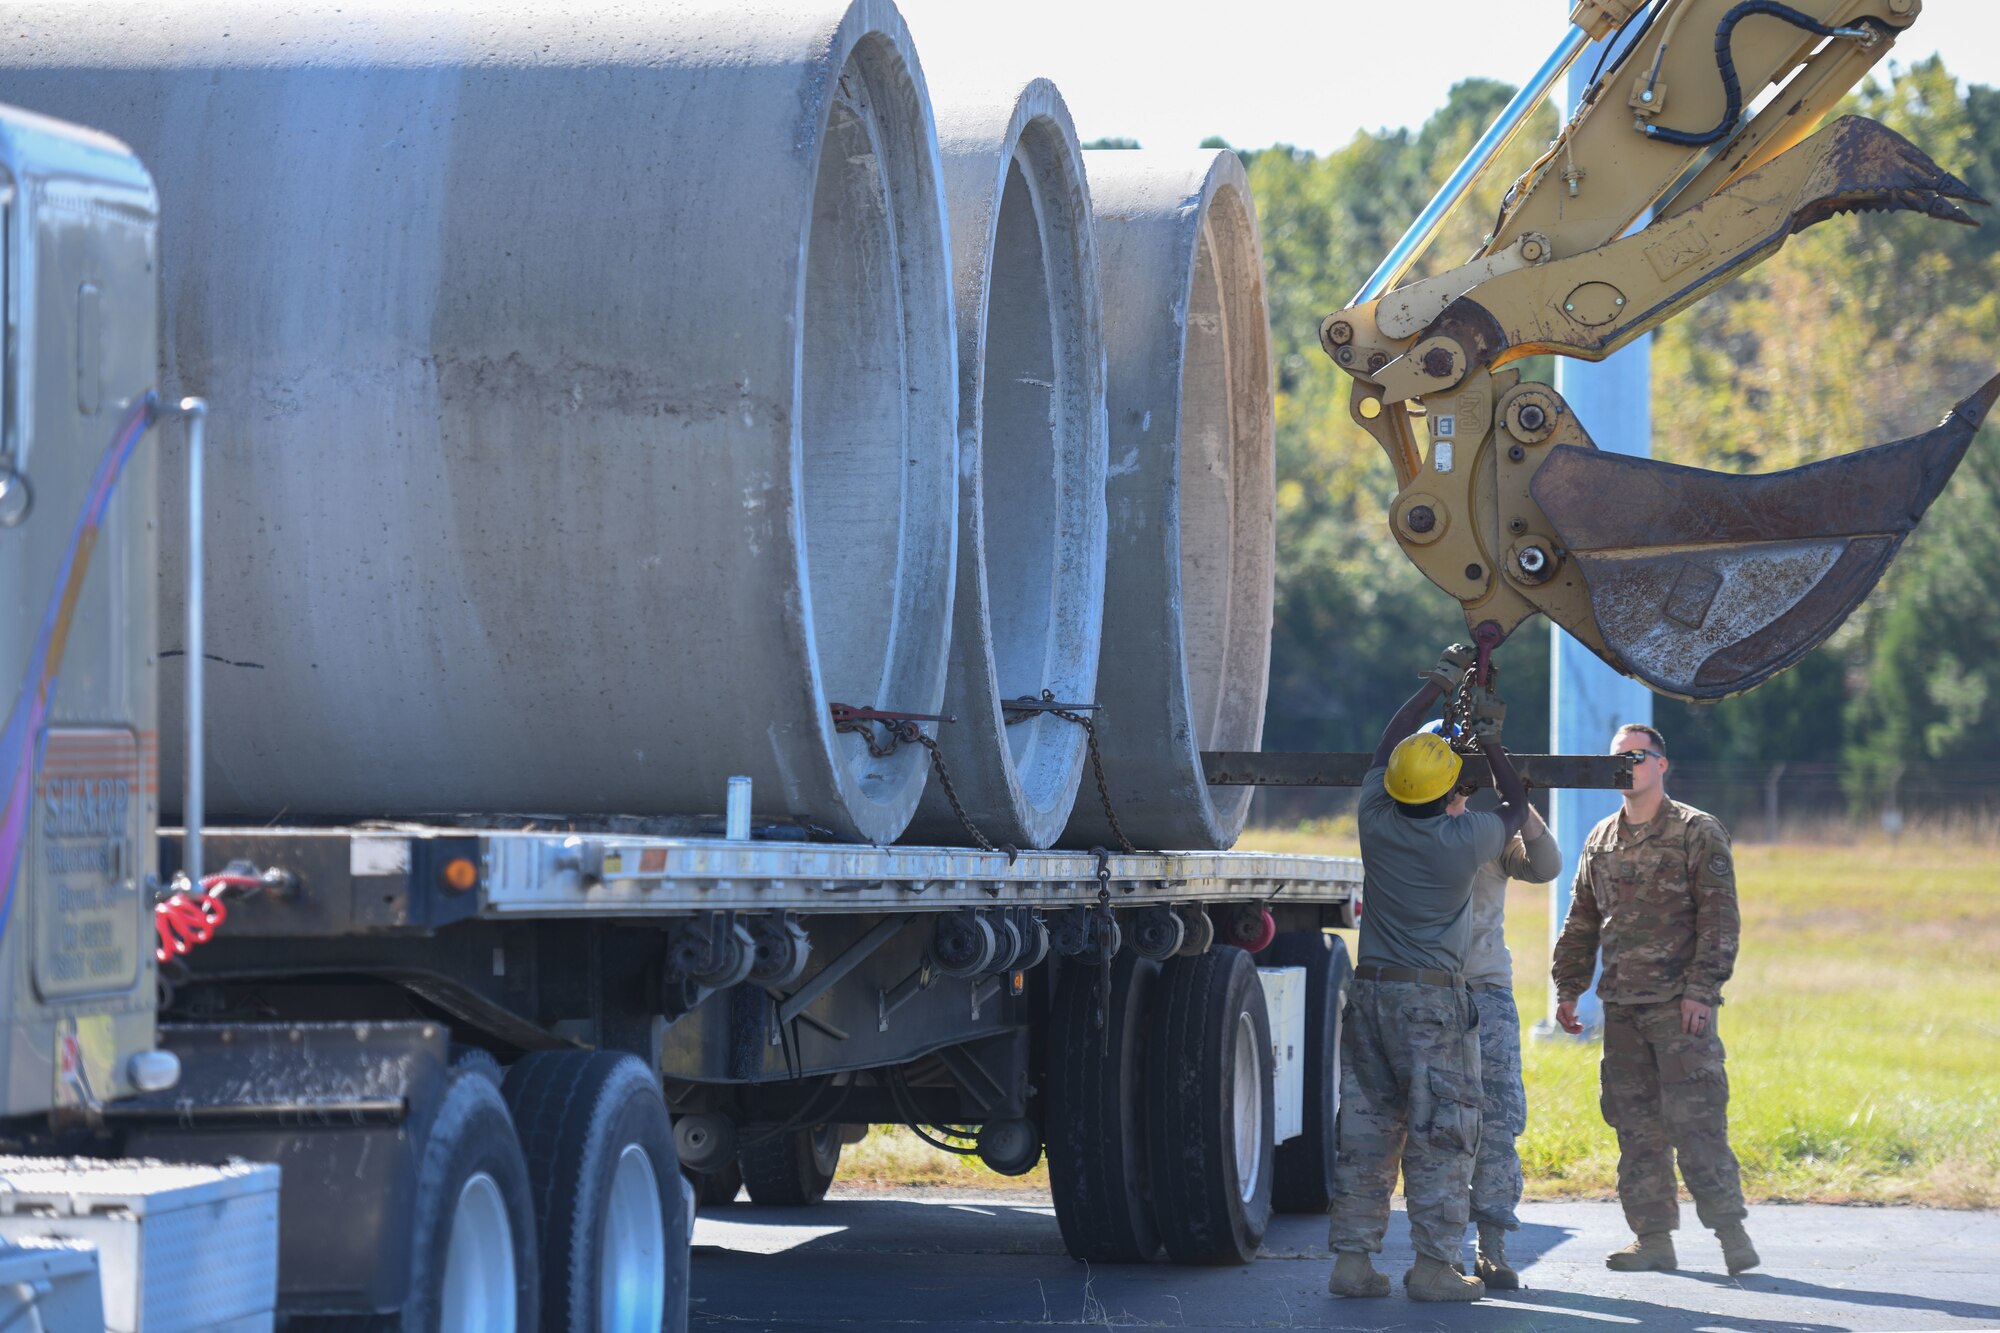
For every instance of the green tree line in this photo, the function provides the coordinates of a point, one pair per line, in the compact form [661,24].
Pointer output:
[1862,330]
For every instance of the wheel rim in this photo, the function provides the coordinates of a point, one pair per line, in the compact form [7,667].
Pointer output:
[826,1149]
[479,1282]
[1249,1102]
[632,1261]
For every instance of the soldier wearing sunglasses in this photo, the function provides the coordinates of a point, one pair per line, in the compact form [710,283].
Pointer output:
[1656,889]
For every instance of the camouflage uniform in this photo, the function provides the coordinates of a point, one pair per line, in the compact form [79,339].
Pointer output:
[1409,1094]
[1489,970]
[1661,898]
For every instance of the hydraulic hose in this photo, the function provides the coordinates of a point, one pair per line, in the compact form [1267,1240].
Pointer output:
[1732,88]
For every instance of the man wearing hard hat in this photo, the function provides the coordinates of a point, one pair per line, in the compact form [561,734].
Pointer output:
[1410,1092]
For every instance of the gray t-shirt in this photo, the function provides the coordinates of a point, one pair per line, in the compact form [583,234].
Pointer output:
[1416,880]
[1487,959]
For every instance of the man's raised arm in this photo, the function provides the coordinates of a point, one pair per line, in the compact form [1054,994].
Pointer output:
[1440,680]
[1487,715]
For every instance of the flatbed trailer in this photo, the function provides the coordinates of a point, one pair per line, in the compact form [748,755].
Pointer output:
[933,986]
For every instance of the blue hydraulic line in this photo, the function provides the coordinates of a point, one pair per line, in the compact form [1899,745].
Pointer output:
[1498,135]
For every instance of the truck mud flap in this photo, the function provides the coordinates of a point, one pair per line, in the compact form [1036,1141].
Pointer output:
[341,1108]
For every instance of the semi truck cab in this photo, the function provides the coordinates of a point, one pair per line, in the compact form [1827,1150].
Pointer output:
[79,553]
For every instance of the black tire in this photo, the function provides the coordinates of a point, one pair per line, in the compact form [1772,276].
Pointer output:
[1095,1130]
[792,1170]
[479,1061]
[717,1189]
[1209,1208]
[596,1132]
[1303,1182]
[472,1136]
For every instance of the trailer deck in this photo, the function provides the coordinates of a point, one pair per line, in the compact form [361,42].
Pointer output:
[545,874]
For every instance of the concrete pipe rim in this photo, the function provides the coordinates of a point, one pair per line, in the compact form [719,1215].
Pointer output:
[1227,239]
[1033,433]
[1225,613]
[1188,593]
[875,442]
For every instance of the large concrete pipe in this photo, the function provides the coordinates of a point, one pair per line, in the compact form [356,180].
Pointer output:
[1031,464]
[584,394]
[1187,594]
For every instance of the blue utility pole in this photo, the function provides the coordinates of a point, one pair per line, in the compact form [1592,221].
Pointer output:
[1613,398]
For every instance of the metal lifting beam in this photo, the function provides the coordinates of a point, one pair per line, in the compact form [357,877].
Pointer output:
[1310,768]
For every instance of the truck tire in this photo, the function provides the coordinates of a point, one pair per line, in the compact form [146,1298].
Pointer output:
[792,1170]
[1303,1180]
[473,1267]
[1210,1113]
[1096,1113]
[607,1191]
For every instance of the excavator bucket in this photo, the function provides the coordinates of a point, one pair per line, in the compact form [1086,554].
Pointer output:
[1705,584]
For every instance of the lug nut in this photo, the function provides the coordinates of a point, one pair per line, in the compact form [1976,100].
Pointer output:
[1421,518]
[1533,560]
[1437,363]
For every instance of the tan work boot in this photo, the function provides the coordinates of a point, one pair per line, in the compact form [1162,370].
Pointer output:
[1737,1251]
[1353,1275]
[1491,1265]
[1652,1252]
[1436,1280]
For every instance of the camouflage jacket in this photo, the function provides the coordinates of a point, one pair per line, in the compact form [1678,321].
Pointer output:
[1661,899]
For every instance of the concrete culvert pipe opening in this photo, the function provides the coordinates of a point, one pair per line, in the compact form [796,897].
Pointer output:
[1032,438]
[1187,622]
[584,393]
[865,462]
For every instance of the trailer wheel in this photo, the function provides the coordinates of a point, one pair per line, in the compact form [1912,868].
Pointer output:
[792,1170]
[473,1269]
[1210,1122]
[1303,1182]
[1096,1122]
[608,1198]
[717,1188]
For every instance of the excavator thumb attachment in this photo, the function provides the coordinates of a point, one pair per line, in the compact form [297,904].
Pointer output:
[1705,584]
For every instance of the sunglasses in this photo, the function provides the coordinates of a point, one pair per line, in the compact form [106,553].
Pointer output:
[1654,754]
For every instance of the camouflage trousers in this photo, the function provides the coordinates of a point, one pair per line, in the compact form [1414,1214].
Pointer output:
[1496,1174]
[1409,1099]
[1667,1095]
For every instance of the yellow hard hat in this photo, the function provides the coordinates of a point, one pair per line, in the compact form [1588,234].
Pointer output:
[1422,768]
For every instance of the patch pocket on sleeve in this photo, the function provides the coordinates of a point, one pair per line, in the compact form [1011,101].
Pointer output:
[1454,1111]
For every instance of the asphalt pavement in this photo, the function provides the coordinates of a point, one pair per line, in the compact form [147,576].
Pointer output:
[922,1261]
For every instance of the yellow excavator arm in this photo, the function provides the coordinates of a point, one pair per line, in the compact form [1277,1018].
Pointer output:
[1700,584]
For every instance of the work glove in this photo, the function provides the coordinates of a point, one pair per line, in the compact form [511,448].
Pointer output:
[1489,711]
[1451,668]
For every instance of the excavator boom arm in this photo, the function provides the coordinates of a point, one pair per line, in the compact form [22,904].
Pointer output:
[1674,122]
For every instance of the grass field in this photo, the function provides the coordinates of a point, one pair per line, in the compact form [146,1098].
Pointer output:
[1863,1028]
